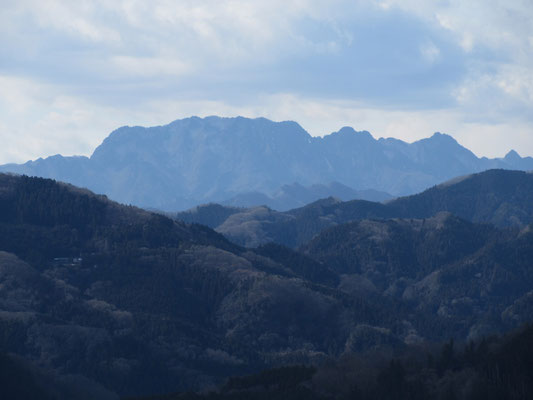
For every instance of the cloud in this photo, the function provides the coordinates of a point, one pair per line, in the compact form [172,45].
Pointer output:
[38,120]
[149,66]
[73,71]
[430,52]
[342,49]
[496,37]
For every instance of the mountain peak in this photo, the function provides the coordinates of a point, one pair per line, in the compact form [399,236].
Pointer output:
[443,137]
[512,155]
[202,159]
[349,131]
[346,130]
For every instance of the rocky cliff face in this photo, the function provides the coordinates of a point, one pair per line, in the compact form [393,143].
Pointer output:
[195,160]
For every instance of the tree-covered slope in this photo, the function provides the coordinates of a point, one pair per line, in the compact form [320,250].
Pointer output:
[474,278]
[113,293]
[494,368]
[500,197]
[134,303]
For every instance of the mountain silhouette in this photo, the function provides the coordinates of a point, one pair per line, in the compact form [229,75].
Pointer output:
[241,161]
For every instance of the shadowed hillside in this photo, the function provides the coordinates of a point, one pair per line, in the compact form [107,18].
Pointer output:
[495,368]
[133,303]
[114,293]
[500,197]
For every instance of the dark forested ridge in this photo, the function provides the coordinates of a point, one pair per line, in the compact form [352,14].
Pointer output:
[124,302]
[137,303]
[473,276]
[494,368]
[499,197]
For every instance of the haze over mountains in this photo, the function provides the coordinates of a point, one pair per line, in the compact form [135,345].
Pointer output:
[245,162]
[499,197]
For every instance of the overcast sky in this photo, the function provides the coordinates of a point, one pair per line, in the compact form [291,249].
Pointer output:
[73,71]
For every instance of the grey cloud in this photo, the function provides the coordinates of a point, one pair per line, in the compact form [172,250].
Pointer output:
[339,57]
[371,54]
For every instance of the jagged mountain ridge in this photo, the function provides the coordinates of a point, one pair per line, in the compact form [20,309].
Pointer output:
[200,160]
[292,196]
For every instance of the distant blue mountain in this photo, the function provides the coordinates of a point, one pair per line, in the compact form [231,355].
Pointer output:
[239,160]
[293,196]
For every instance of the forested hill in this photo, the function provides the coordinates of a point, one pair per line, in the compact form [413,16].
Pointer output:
[500,197]
[494,368]
[74,221]
[110,299]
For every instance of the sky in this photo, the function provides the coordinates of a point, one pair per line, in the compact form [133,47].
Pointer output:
[73,71]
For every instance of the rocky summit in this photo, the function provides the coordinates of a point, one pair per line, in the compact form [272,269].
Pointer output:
[248,162]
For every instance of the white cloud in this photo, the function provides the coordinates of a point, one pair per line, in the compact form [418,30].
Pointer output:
[38,120]
[74,18]
[497,23]
[430,52]
[516,81]
[73,71]
[149,66]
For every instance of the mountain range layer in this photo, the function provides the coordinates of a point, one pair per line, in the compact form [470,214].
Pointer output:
[119,301]
[245,162]
[498,197]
